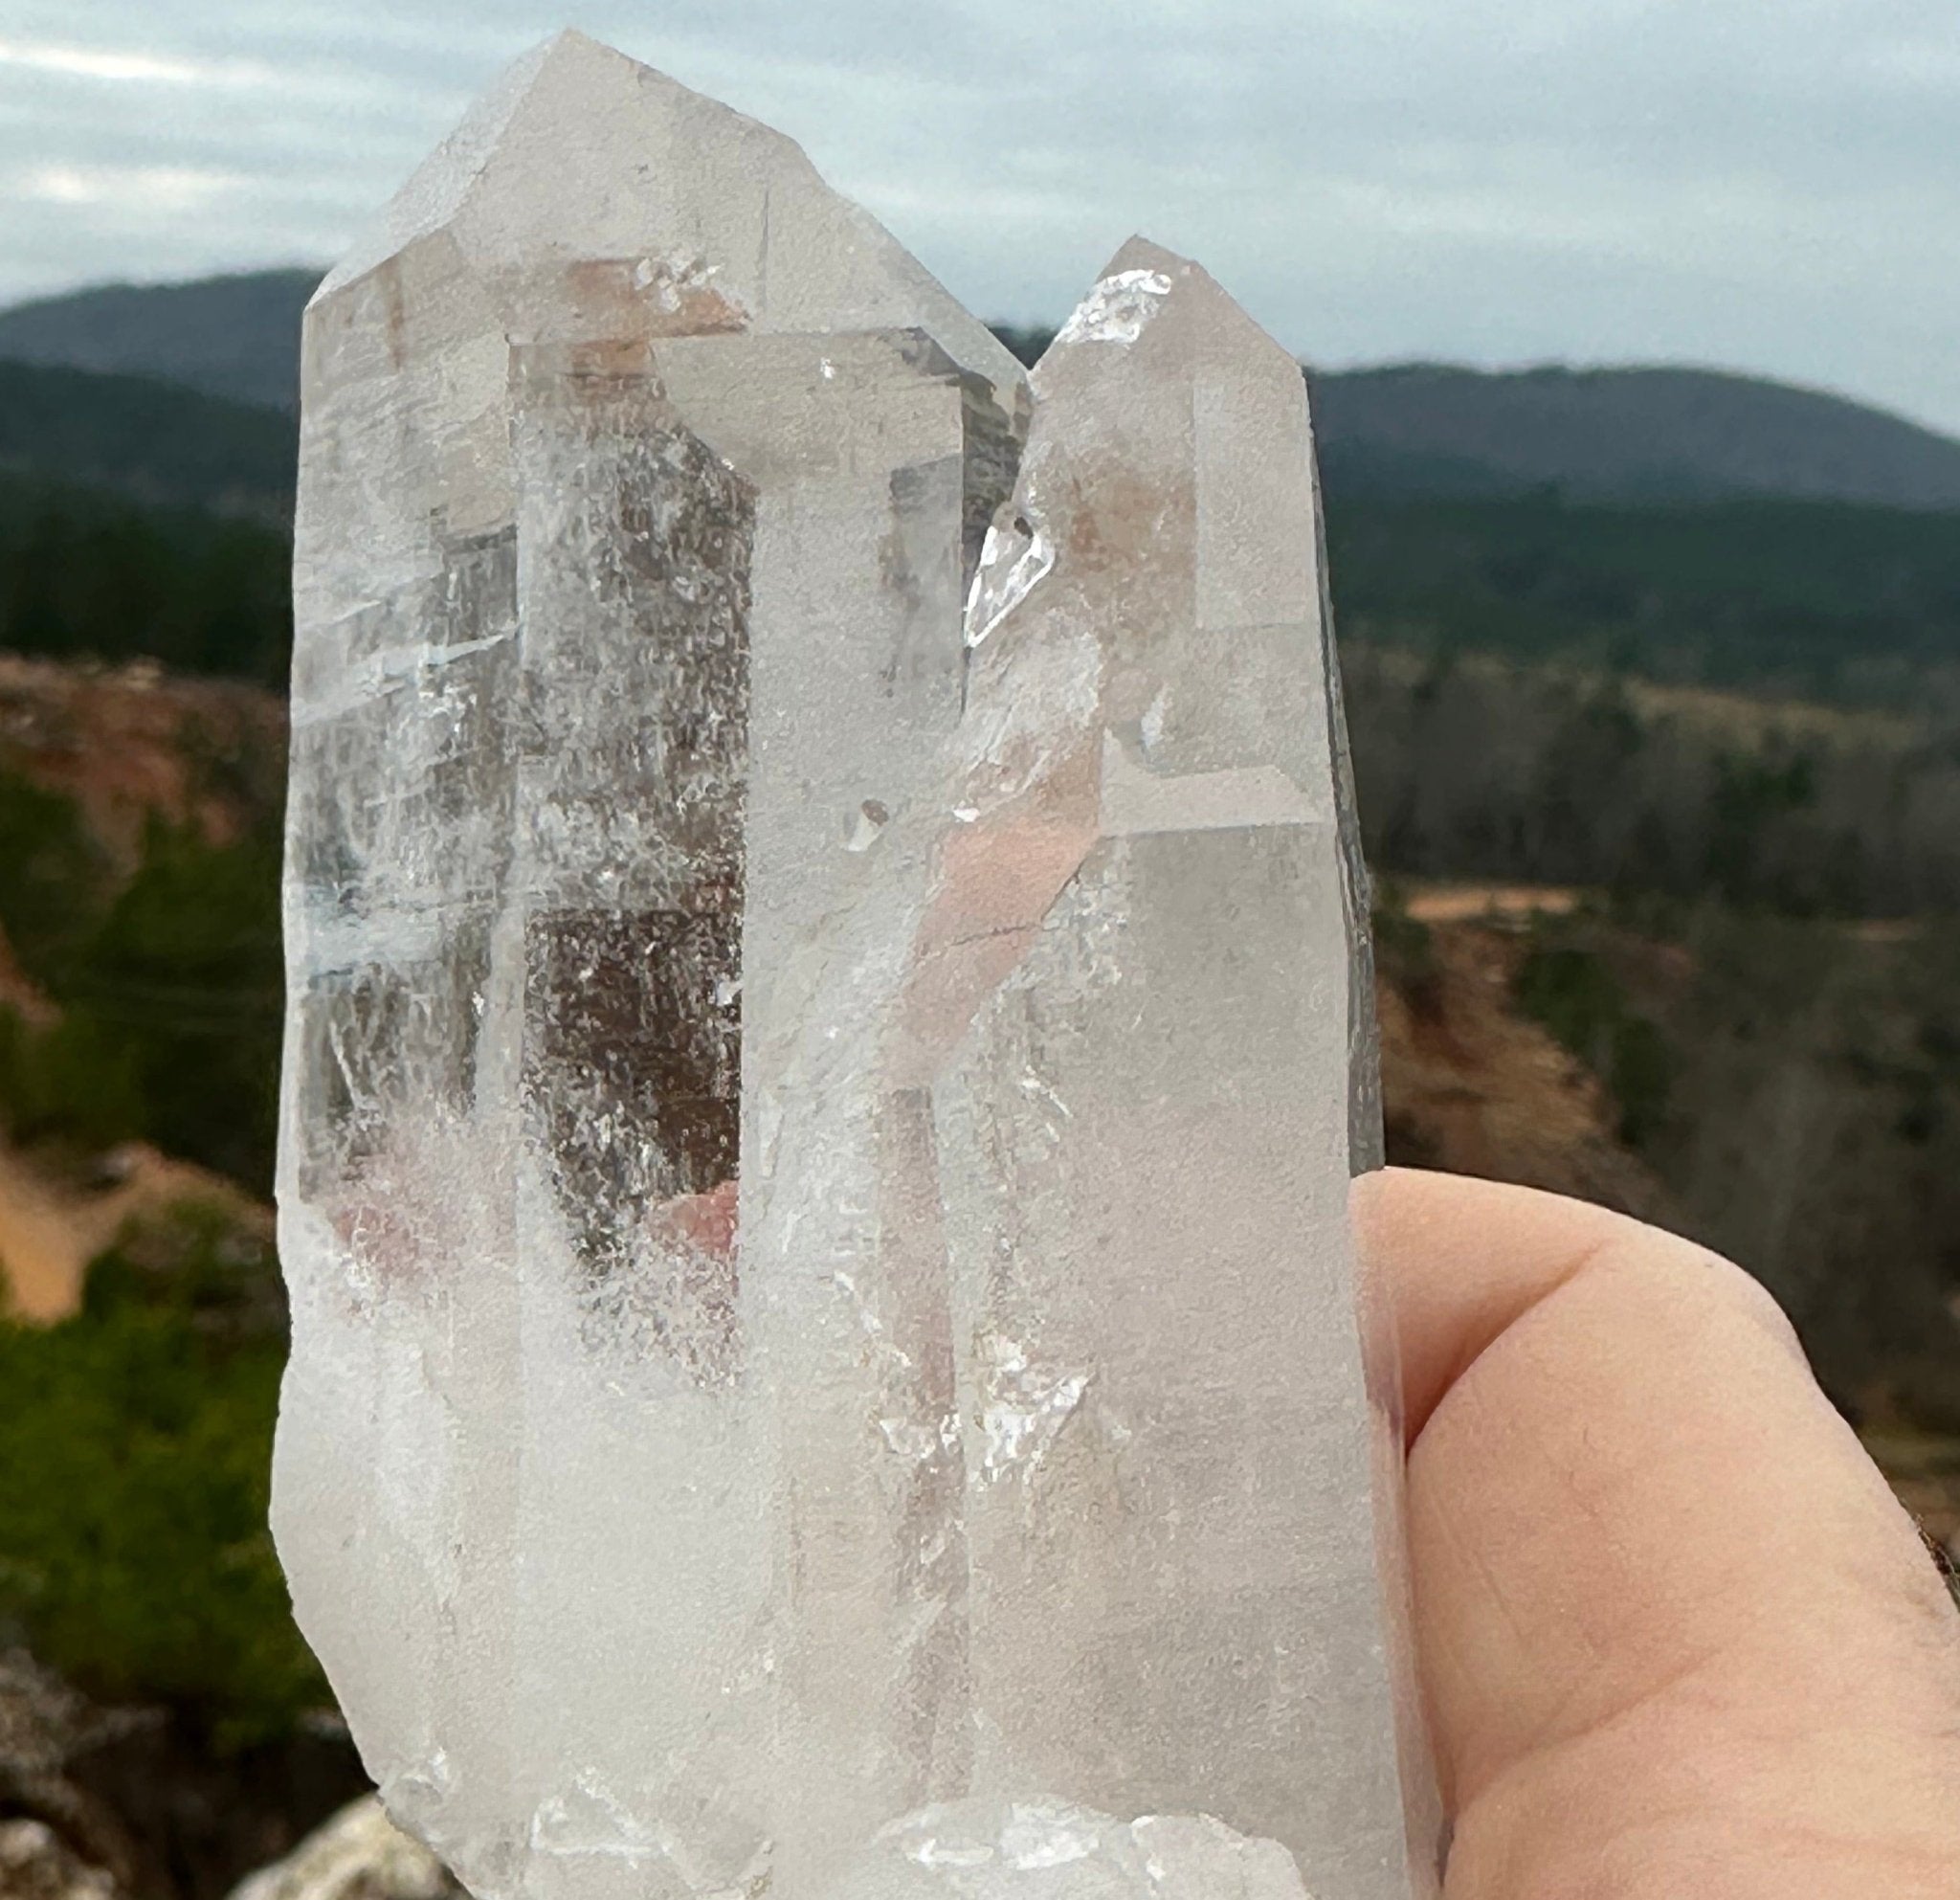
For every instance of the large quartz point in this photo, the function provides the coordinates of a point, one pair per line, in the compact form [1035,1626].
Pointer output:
[827,1044]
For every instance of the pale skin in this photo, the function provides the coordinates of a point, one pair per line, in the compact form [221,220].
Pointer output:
[1678,1640]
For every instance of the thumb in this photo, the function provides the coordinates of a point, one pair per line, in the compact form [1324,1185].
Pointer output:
[1677,1636]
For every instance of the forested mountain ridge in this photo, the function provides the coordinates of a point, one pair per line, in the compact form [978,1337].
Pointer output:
[1635,434]
[1813,601]
[1621,434]
[142,518]
[147,439]
[236,336]
[90,574]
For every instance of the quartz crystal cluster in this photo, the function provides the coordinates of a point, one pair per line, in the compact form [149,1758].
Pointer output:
[827,1039]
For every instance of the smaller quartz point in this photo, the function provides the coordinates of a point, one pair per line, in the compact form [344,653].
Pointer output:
[827,1042]
[1142,1008]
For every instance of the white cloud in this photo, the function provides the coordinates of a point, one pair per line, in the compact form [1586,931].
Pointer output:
[1917,65]
[144,189]
[125,67]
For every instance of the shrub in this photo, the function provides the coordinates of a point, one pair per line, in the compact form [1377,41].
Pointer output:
[134,1452]
[50,872]
[1575,994]
[170,999]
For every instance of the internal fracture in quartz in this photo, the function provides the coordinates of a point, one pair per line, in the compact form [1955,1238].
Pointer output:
[828,975]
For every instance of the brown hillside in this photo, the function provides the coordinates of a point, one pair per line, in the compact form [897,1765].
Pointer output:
[53,1225]
[128,746]
[1472,1086]
[128,743]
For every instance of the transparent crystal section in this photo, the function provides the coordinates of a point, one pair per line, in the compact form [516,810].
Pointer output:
[1143,1012]
[824,1043]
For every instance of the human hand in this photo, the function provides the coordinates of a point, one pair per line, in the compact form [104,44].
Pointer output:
[1677,1639]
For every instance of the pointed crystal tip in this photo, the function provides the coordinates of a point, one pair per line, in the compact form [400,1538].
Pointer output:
[673,188]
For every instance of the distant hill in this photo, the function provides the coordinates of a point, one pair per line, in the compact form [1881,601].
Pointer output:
[1416,430]
[1435,431]
[153,441]
[230,336]
[1623,436]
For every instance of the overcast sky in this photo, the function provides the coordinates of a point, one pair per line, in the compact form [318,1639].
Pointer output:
[1769,185]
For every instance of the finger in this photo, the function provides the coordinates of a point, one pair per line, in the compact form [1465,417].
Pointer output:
[1677,1636]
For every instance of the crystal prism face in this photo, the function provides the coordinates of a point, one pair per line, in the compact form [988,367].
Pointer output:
[827,973]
